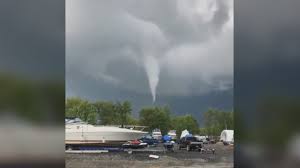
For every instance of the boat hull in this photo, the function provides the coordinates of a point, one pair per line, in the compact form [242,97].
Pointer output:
[81,134]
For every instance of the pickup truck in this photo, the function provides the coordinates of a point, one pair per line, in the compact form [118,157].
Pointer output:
[190,143]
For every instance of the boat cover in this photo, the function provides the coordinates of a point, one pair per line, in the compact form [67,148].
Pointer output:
[167,138]
[185,133]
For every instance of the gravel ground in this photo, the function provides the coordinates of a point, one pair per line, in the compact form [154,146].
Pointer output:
[223,157]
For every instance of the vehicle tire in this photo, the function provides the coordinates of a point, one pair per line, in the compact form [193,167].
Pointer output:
[188,148]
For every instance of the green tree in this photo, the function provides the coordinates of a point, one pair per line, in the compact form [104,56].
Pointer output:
[72,107]
[203,131]
[83,109]
[113,113]
[156,117]
[105,112]
[123,112]
[215,121]
[188,122]
[132,121]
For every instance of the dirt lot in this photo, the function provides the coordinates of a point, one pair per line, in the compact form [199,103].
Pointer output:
[223,157]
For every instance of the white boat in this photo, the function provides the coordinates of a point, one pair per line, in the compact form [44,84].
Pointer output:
[184,133]
[82,133]
[156,134]
[172,133]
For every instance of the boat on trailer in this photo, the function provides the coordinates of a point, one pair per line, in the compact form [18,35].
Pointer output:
[78,133]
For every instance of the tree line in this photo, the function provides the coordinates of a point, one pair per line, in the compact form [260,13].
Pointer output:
[215,121]
[120,113]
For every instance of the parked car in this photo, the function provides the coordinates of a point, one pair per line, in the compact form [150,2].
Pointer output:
[190,143]
[150,140]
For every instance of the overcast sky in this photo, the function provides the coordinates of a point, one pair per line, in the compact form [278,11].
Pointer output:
[266,55]
[152,48]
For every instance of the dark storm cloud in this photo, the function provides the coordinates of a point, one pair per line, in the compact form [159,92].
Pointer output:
[175,47]
[32,38]
[274,34]
[178,20]
[266,57]
[266,50]
[266,82]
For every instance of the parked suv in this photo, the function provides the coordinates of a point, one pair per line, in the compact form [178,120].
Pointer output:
[190,143]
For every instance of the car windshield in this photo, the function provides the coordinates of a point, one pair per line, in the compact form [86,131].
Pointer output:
[191,139]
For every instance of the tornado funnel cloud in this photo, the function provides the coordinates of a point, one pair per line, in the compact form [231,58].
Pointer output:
[152,69]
